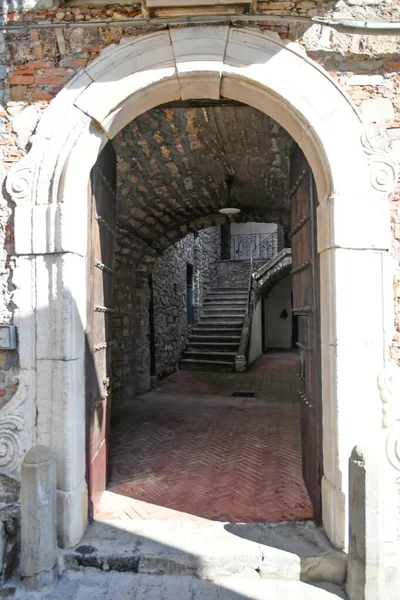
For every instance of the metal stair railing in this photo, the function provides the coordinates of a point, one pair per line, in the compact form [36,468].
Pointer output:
[273,246]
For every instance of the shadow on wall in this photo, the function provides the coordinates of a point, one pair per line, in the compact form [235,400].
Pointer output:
[278,318]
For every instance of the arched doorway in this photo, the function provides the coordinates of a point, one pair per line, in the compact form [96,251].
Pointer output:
[50,184]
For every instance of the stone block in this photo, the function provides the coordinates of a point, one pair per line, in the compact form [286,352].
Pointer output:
[61,306]
[208,44]
[365,80]
[365,577]
[38,512]
[23,122]
[3,541]
[377,110]
[72,515]
[61,417]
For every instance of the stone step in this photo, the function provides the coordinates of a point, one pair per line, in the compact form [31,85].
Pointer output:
[220,321]
[214,356]
[111,585]
[188,364]
[281,551]
[214,337]
[235,330]
[208,314]
[222,300]
[212,347]
[222,310]
[228,291]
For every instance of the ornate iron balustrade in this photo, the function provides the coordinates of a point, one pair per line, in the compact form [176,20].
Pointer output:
[255,246]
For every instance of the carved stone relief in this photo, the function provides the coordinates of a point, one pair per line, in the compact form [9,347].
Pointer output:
[389,386]
[383,169]
[12,423]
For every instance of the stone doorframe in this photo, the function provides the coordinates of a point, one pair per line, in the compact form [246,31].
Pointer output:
[50,189]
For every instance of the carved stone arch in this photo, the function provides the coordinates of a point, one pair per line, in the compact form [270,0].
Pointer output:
[49,187]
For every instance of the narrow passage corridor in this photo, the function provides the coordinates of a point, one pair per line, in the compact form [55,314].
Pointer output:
[189,450]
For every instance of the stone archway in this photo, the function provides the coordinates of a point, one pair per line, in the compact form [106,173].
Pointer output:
[49,188]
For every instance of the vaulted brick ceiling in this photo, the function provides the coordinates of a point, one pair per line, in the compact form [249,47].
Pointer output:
[173,163]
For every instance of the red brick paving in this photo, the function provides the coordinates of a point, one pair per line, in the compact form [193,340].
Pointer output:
[189,450]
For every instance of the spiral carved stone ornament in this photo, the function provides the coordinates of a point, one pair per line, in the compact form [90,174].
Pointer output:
[383,169]
[19,182]
[389,386]
[12,423]
[10,448]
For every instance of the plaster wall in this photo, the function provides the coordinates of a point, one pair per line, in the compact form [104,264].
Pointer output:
[278,330]
[255,349]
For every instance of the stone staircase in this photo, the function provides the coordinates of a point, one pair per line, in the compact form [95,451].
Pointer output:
[214,340]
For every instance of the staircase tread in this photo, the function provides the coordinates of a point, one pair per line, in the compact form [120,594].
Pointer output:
[204,362]
[208,353]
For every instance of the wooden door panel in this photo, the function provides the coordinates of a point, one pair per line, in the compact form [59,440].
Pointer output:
[98,363]
[102,283]
[305,284]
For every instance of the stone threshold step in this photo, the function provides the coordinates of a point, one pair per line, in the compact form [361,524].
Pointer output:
[102,585]
[284,551]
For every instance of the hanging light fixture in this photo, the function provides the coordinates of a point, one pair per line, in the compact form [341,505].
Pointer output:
[228,209]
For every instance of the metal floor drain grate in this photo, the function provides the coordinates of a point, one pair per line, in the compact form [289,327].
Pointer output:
[244,394]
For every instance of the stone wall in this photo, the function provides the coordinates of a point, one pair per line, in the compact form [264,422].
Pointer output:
[236,273]
[131,321]
[169,288]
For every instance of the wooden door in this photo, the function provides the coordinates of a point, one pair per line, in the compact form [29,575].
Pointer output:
[98,348]
[305,283]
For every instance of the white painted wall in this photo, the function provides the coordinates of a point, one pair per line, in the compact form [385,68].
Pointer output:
[240,228]
[278,331]
[255,349]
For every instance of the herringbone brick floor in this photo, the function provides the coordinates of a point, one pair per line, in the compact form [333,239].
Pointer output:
[190,451]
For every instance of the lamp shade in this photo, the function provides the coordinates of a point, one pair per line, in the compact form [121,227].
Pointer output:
[229,210]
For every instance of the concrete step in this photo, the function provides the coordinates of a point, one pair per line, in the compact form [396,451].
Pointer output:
[213,347]
[214,355]
[225,302]
[211,314]
[282,551]
[221,322]
[234,292]
[216,333]
[236,327]
[214,338]
[224,310]
[188,364]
